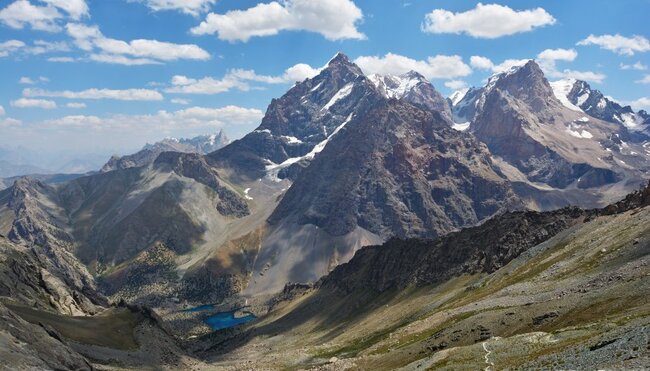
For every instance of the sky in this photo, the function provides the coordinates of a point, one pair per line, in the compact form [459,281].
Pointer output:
[97,77]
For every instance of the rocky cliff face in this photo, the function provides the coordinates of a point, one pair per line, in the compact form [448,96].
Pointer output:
[595,104]
[413,88]
[297,125]
[397,171]
[38,264]
[482,249]
[523,123]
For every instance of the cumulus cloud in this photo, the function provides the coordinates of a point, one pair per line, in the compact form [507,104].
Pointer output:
[619,44]
[238,79]
[484,63]
[33,103]
[10,46]
[436,67]
[75,8]
[183,102]
[456,84]
[207,85]
[334,19]
[636,66]
[487,21]
[644,80]
[191,7]
[125,95]
[558,55]
[76,105]
[22,13]
[136,52]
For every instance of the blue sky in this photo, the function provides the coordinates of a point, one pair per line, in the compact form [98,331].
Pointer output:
[201,65]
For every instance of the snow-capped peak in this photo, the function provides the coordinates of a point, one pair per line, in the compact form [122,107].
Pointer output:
[397,86]
[561,90]
[458,96]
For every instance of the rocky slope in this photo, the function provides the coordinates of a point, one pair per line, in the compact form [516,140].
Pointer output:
[547,149]
[202,144]
[297,125]
[527,290]
[578,95]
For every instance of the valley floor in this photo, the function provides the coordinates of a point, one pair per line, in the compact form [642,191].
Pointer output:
[580,300]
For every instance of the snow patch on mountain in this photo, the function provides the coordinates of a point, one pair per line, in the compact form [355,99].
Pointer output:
[458,96]
[561,90]
[396,86]
[344,92]
[273,168]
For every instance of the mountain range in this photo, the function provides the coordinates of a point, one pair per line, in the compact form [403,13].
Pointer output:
[441,188]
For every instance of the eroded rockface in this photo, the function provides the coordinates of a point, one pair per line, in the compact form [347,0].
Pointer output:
[399,170]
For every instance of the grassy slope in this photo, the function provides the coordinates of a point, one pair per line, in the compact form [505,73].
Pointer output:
[562,297]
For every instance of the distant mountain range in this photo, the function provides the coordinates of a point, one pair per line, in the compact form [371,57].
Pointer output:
[202,144]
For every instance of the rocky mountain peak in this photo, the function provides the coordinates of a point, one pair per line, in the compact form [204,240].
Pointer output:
[340,62]
[414,88]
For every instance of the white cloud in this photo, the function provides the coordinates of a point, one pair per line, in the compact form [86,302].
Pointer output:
[26,81]
[334,19]
[619,44]
[126,95]
[75,8]
[2,111]
[547,60]
[636,66]
[644,80]
[38,47]
[590,76]
[456,84]
[163,120]
[10,46]
[9,122]
[76,105]
[298,72]
[486,21]
[180,101]
[192,7]
[121,59]
[22,13]
[558,55]
[42,47]
[206,85]
[238,79]
[436,67]
[136,52]
[33,103]
[484,63]
[61,59]
[641,103]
